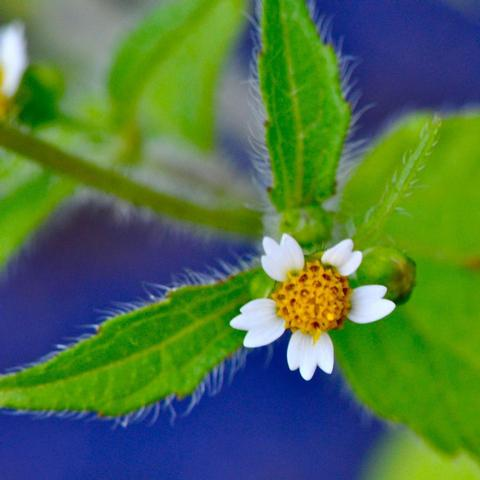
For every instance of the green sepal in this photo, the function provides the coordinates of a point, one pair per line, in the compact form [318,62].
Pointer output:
[310,226]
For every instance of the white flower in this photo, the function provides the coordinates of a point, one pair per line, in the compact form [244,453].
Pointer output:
[312,296]
[13,58]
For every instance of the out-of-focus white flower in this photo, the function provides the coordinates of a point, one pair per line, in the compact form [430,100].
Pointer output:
[13,58]
[311,297]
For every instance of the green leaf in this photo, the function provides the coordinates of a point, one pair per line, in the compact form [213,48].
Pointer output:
[308,117]
[421,365]
[28,195]
[138,358]
[404,457]
[173,60]
[442,210]
[399,188]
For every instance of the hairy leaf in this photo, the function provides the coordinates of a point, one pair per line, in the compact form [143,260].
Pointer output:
[28,195]
[399,188]
[173,60]
[440,213]
[405,457]
[421,365]
[138,358]
[308,117]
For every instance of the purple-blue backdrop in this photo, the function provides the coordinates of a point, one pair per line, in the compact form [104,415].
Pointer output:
[268,423]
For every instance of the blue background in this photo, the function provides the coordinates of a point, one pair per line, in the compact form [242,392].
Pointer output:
[267,423]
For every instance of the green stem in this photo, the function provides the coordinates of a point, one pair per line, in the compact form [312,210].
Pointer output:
[132,144]
[238,220]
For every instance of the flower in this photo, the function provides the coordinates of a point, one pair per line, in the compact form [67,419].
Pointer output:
[312,296]
[13,60]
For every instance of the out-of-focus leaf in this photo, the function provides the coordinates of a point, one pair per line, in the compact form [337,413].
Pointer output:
[173,60]
[39,95]
[405,457]
[308,117]
[138,358]
[441,215]
[421,365]
[28,195]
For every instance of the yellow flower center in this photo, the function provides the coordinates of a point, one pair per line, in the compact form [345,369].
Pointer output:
[313,300]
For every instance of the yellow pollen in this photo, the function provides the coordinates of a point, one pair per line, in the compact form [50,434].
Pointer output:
[313,300]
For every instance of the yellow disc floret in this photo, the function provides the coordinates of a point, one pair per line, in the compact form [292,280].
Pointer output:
[313,300]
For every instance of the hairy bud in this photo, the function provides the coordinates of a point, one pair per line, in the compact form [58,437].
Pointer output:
[390,267]
[309,225]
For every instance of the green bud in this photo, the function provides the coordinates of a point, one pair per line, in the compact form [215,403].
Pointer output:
[39,95]
[310,226]
[390,267]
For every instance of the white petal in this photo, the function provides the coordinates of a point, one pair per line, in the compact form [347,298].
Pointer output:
[306,354]
[270,245]
[253,320]
[368,293]
[324,353]
[274,268]
[295,350]
[351,265]
[290,245]
[259,304]
[367,312]
[279,259]
[239,322]
[258,337]
[308,360]
[13,57]
[338,254]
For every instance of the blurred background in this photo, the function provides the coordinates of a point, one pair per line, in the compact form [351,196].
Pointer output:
[267,422]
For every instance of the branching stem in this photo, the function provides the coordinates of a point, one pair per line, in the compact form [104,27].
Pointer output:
[237,220]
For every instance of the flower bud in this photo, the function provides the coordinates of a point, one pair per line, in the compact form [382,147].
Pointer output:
[39,95]
[390,267]
[309,225]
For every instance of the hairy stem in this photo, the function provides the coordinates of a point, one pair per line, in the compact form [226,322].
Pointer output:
[238,220]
